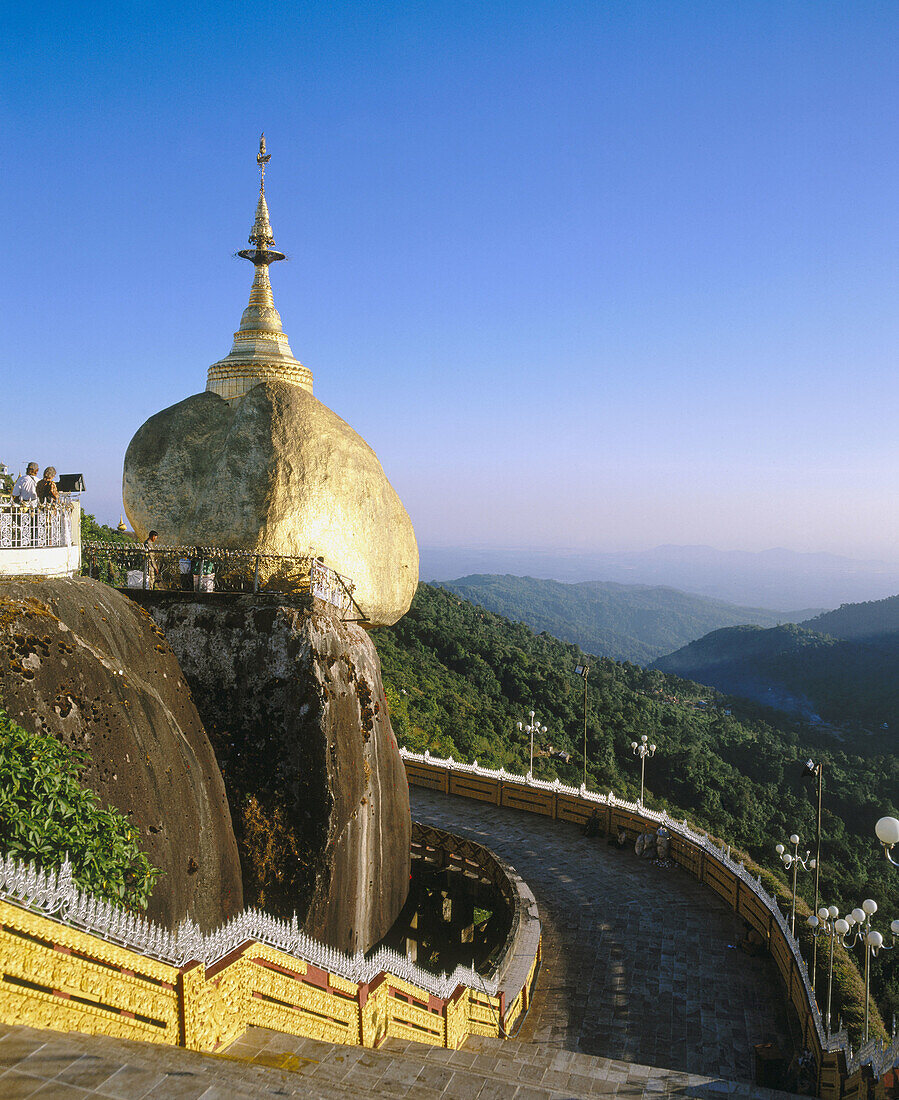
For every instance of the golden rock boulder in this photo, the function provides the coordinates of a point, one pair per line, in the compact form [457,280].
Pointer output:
[276,472]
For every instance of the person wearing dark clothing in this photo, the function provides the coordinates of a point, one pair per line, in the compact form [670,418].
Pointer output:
[47,493]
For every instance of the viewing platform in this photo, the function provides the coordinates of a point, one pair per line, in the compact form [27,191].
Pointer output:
[40,540]
[180,570]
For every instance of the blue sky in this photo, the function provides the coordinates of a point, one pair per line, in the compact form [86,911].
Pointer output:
[591,275]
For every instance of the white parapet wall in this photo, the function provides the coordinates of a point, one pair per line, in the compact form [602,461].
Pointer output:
[43,542]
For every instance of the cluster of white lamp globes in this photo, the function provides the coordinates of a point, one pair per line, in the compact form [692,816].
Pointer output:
[855,927]
[642,749]
[794,860]
[532,728]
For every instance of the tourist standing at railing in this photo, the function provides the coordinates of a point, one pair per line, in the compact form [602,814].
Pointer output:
[25,489]
[24,493]
[47,493]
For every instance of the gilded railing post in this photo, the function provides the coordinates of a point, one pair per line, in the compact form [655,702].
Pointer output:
[455,1015]
[213,1013]
[190,983]
[373,1023]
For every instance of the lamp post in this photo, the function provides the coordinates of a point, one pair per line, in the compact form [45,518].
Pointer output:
[811,768]
[642,749]
[887,830]
[828,922]
[874,944]
[532,728]
[583,671]
[795,861]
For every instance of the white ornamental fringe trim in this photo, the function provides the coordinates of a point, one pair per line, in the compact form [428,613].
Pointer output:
[54,894]
[875,1053]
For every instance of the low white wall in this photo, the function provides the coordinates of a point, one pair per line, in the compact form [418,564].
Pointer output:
[45,561]
[56,561]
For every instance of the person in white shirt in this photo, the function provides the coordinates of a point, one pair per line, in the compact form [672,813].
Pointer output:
[24,493]
[25,489]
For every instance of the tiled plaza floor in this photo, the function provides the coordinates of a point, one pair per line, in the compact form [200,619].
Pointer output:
[638,961]
[49,1066]
[640,996]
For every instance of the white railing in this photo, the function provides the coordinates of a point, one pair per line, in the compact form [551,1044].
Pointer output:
[54,894]
[40,526]
[875,1053]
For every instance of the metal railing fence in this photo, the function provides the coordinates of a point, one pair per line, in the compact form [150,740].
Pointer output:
[215,569]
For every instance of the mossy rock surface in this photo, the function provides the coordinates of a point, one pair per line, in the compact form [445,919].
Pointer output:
[293,702]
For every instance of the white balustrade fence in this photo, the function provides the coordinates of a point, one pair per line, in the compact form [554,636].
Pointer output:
[43,526]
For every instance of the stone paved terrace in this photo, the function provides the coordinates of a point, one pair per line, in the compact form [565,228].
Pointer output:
[637,959]
[48,1066]
[640,995]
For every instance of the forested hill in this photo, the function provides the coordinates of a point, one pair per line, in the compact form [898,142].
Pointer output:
[459,677]
[850,681]
[628,622]
[859,620]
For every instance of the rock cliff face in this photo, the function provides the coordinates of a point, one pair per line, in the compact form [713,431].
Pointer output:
[293,703]
[81,661]
[276,472]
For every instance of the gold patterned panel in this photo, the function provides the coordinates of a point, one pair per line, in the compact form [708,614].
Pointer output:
[212,1015]
[44,986]
[33,1008]
[374,1020]
[297,1008]
[483,1014]
[33,924]
[410,1021]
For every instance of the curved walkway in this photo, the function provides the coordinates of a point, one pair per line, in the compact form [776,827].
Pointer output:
[638,959]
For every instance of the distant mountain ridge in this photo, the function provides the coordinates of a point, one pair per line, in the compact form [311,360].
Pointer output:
[841,666]
[624,622]
[770,579]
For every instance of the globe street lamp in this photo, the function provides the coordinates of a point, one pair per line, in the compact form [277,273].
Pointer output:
[874,944]
[643,749]
[533,728]
[817,770]
[795,861]
[828,922]
[873,941]
[887,830]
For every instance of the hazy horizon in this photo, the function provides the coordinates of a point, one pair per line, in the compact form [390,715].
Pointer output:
[776,579]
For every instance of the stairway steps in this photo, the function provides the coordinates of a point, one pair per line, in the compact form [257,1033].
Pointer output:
[263,1063]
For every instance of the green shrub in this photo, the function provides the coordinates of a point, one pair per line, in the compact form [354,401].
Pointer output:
[46,813]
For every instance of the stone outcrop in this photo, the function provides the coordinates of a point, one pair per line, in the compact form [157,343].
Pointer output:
[292,700]
[81,661]
[276,472]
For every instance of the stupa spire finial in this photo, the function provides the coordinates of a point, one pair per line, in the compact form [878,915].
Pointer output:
[261,234]
[262,160]
[260,352]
